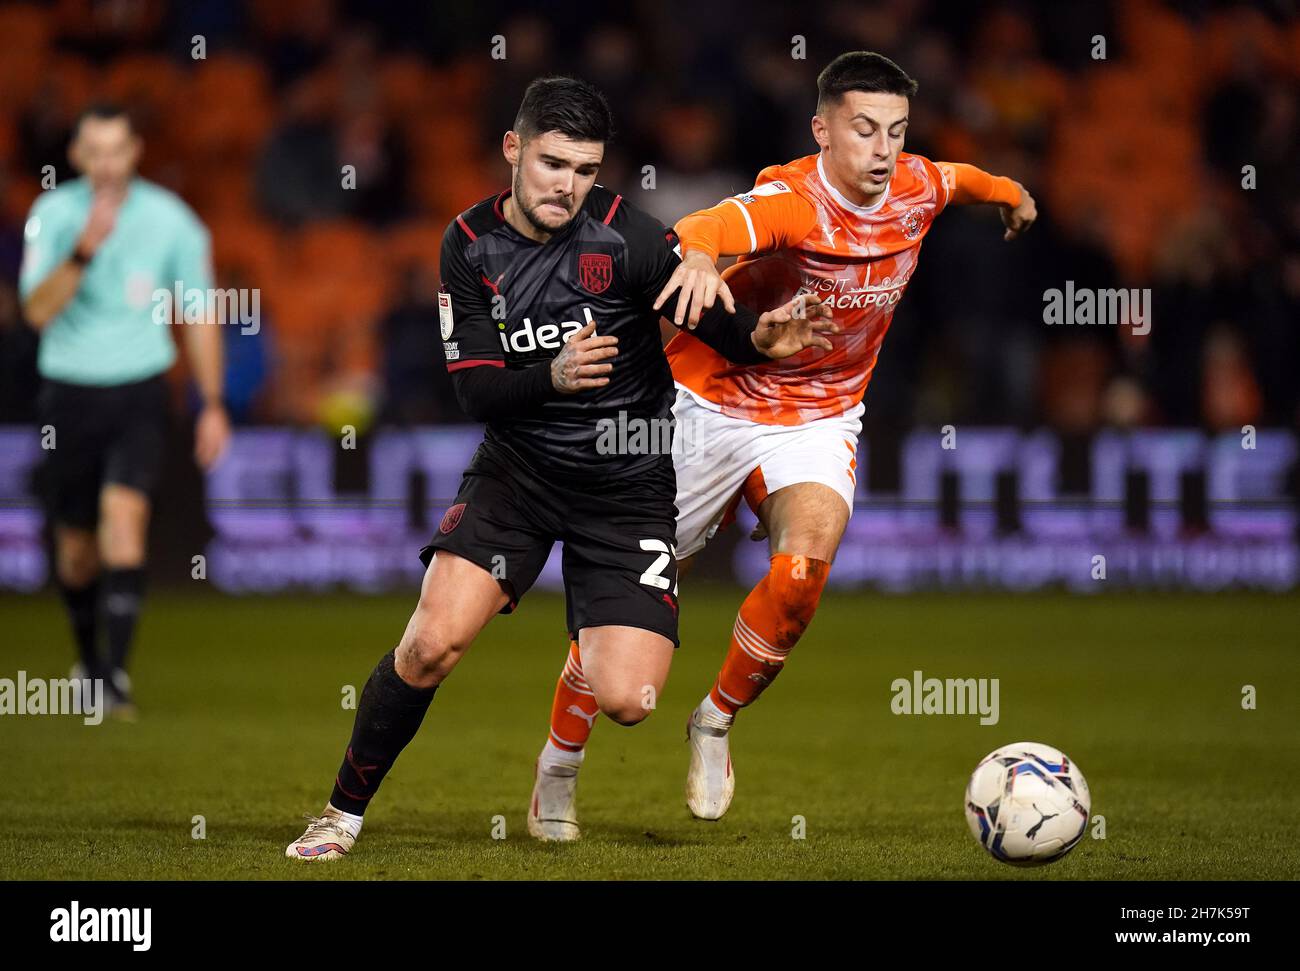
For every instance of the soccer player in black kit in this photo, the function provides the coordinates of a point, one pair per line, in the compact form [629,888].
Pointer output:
[548,328]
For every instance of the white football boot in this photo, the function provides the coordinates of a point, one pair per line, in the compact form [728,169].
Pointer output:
[552,811]
[329,836]
[117,692]
[710,783]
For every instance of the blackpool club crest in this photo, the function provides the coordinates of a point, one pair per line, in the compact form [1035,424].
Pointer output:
[913,222]
[595,271]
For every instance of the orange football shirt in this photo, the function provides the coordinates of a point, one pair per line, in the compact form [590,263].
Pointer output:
[794,232]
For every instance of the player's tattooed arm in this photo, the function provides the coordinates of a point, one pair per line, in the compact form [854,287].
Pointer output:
[583,361]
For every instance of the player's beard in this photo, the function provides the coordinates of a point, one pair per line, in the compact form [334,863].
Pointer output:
[530,211]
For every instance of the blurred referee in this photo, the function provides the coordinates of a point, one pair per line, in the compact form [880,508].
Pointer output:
[96,250]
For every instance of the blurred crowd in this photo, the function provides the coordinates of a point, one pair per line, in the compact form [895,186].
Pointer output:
[327,144]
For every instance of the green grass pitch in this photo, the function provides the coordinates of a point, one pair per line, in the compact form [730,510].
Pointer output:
[242,723]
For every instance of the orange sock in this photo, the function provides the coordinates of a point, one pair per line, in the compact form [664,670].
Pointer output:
[770,622]
[574,710]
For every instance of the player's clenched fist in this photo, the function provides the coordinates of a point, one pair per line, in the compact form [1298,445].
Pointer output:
[577,367]
[800,323]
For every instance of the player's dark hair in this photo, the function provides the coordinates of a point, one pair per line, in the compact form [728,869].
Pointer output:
[567,105]
[861,71]
[103,111]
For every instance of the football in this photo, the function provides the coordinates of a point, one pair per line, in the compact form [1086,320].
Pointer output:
[1027,804]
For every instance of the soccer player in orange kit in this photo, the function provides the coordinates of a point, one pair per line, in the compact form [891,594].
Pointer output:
[845,224]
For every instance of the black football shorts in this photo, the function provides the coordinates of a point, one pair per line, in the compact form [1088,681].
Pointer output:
[115,433]
[618,536]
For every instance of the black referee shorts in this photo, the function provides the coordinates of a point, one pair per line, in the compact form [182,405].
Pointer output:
[618,536]
[104,434]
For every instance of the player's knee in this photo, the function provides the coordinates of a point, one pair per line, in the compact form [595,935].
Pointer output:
[123,526]
[77,570]
[76,560]
[429,651]
[626,707]
[121,543]
[795,584]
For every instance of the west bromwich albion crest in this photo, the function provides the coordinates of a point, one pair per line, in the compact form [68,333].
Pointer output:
[595,271]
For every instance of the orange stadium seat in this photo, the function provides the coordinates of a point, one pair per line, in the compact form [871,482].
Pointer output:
[337,247]
[72,83]
[1243,36]
[23,70]
[26,32]
[217,188]
[252,245]
[231,132]
[152,84]
[25,25]
[409,88]
[415,242]
[229,79]
[454,174]
[229,112]
[1156,37]
[302,307]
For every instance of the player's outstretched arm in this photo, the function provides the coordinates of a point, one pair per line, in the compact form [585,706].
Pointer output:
[654,259]
[769,215]
[973,186]
[798,324]
[699,284]
[749,338]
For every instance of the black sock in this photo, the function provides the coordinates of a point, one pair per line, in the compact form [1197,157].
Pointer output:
[83,611]
[123,594]
[388,716]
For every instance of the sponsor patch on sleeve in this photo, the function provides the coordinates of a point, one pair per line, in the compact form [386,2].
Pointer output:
[445,321]
[769,189]
[451,349]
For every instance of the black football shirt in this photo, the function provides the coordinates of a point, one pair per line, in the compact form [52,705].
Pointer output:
[509,301]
